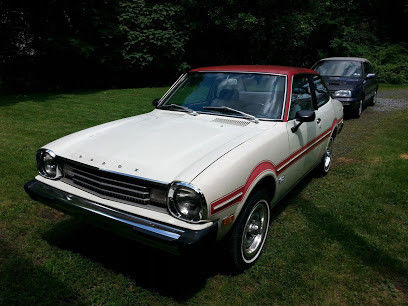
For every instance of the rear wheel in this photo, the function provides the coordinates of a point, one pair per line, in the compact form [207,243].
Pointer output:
[324,167]
[250,231]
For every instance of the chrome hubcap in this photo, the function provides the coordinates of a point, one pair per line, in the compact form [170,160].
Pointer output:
[328,156]
[255,230]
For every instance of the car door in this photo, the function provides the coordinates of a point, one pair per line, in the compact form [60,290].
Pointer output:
[369,83]
[324,115]
[300,160]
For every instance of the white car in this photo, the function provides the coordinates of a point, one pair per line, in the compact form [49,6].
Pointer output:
[221,148]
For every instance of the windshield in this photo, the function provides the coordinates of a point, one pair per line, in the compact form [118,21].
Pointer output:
[259,95]
[339,68]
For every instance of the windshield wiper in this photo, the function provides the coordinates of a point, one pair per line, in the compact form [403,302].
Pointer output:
[181,107]
[226,109]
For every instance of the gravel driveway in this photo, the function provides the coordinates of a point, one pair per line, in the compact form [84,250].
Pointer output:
[390,99]
[358,130]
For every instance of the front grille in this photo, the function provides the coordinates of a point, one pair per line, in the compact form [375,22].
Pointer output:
[108,185]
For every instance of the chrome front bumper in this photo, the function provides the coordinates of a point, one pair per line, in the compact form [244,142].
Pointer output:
[152,233]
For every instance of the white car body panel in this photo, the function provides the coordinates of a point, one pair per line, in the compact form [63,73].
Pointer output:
[161,145]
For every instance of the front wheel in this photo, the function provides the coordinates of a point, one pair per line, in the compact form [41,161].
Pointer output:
[250,231]
[371,102]
[358,110]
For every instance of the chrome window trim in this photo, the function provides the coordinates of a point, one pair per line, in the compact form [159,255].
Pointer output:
[179,80]
[182,77]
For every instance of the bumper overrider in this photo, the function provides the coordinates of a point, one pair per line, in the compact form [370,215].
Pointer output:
[166,237]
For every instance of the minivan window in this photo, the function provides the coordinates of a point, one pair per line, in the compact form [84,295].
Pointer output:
[339,68]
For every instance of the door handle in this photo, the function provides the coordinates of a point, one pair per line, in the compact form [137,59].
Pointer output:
[318,120]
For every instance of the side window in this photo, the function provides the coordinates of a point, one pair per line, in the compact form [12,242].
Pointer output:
[322,94]
[301,96]
[368,68]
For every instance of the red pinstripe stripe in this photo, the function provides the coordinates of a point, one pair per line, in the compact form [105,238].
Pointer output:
[269,166]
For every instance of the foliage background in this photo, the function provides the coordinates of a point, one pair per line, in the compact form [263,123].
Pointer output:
[62,44]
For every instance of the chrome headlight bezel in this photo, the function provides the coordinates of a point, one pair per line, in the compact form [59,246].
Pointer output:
[343,93]
[40,157]
[173,205]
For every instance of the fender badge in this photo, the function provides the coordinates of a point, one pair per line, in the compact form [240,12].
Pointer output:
[281,179]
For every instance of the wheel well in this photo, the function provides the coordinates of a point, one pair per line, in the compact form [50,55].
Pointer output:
[268,184]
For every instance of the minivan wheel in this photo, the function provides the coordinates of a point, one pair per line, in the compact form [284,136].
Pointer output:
[357,111]
[371,102]
[250,231]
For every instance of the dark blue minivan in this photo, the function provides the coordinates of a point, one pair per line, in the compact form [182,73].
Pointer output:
[350,80]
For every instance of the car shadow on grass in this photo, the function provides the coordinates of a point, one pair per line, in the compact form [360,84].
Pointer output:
[352,243]
[178,277]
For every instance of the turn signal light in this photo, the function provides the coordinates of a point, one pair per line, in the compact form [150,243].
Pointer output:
[228,220]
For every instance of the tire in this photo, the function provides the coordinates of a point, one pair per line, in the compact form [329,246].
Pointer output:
[357,111]
[249,233]
[324,166]
[371,102]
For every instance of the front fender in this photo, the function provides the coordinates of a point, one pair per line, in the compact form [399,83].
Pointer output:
[228,182]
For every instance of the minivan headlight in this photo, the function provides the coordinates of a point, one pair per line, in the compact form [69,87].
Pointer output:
[186,202]
[47,164]
[342,93]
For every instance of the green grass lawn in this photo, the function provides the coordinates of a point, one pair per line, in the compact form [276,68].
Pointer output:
[338,239]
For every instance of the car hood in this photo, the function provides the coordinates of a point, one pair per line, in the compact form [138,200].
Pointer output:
[161,145]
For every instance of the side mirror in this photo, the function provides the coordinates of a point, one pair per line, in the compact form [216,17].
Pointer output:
[370,76]
[156,102]
[303,116]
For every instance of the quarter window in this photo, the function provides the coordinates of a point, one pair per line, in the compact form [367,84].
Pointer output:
[322,94]
[301,95]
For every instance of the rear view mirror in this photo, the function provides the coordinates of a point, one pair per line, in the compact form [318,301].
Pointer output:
[303,116]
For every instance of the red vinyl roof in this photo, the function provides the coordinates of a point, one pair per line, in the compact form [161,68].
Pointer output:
[257,68]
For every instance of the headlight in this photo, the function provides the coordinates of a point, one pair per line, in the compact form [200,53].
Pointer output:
[186,202]
[343,93]
[47,165]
